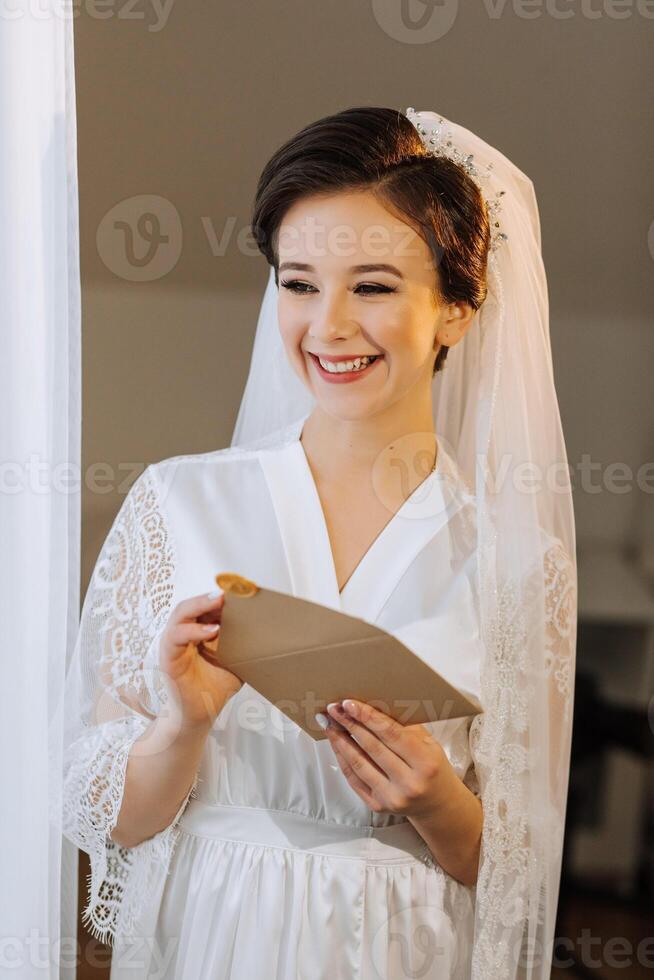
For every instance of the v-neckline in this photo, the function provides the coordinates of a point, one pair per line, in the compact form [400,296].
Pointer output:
[309,553]
[377,543]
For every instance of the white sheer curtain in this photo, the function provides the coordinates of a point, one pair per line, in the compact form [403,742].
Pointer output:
[40,422]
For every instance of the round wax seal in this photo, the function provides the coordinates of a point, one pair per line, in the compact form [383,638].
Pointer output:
[236,584]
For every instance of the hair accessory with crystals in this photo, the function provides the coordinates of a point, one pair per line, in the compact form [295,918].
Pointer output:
[438,140]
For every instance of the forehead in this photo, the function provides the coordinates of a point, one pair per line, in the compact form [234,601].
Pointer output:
[348,227]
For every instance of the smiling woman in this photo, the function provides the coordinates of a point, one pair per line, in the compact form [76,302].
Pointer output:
[225,840]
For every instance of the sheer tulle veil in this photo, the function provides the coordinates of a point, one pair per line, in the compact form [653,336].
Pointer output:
[495,407]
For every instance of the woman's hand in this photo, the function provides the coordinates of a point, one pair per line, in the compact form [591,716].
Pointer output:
[394,768]
[403,769]
[200,686]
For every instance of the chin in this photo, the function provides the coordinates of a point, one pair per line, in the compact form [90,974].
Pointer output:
[345,412]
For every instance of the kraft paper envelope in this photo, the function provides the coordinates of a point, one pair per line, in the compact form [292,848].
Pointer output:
[301,656]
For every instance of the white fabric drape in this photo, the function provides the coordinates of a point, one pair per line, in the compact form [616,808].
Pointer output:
[39,480]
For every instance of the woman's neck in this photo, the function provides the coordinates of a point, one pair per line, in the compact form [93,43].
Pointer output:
[390,452]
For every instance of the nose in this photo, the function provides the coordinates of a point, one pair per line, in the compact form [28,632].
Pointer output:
[329,321]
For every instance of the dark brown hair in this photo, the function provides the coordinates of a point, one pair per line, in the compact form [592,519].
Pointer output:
[379,149]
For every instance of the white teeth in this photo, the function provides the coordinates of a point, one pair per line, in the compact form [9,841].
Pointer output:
[340,367]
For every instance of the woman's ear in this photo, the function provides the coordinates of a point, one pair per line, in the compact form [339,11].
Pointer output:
[456,320]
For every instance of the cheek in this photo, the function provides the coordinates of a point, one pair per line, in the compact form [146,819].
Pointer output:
[404,338]
[385,329]
[292,332]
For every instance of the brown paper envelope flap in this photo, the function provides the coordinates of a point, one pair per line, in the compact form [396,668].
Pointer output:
[301,655]
[272,622]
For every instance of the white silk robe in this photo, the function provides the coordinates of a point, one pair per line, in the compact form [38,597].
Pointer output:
[274,867]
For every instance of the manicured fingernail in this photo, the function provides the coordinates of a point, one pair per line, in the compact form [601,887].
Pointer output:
[350,706]
[209,627]
[334,704]
[322,720]
[215,594]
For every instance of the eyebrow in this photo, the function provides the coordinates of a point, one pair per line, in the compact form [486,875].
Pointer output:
[378,267]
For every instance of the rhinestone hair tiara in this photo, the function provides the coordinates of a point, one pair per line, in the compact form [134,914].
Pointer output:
[438,140]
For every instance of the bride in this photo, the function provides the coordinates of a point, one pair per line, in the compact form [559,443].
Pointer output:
[397,456]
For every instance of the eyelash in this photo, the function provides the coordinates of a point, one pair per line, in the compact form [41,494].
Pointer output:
[292,285]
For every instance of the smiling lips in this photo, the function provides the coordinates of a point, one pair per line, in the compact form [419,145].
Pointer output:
[358,366]
[334,359]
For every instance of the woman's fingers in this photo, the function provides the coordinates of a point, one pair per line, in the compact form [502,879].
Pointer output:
[213,616]
[191,609]
[195,620]
[182,634]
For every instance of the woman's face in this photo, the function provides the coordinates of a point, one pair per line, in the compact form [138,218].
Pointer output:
[330,305]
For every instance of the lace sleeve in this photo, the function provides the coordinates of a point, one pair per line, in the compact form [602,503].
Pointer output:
[520,745]
[112,694]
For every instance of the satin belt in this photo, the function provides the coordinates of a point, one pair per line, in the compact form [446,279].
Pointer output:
[398,843]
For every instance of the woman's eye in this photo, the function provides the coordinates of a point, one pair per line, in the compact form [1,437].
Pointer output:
[370,288]
[376,288]
[294,286]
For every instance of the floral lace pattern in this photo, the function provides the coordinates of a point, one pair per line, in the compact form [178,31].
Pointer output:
[127,604]
[561,599]
[523,814]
